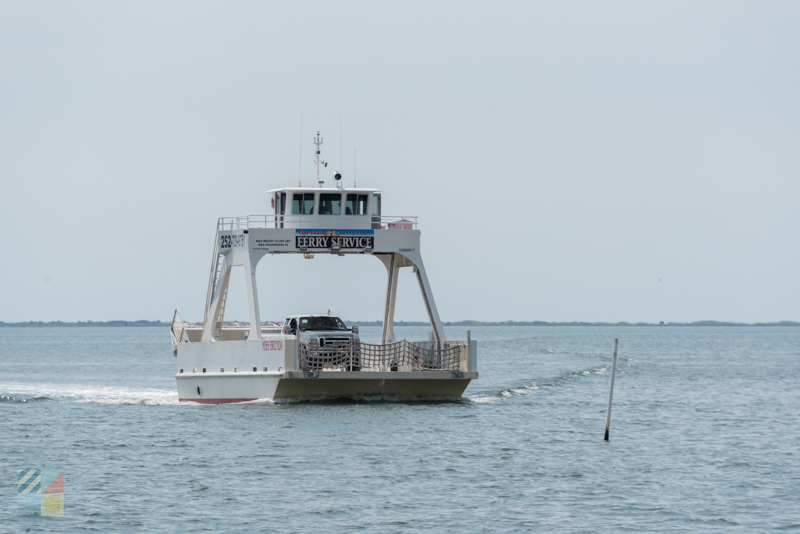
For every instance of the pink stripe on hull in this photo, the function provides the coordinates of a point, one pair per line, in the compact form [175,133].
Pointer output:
[216,401]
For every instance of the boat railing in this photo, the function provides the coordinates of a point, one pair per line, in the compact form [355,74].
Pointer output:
[230,331]
[399,356]
[177,332]
[310,222]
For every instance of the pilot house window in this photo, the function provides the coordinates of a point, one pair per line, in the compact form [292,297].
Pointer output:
[303,204]
[356,205]
[330,204]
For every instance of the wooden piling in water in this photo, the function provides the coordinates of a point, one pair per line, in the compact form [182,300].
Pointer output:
[611,388]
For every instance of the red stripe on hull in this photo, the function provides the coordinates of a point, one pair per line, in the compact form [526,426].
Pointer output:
[216,401]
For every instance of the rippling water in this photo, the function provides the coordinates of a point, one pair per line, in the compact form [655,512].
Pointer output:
[705,436]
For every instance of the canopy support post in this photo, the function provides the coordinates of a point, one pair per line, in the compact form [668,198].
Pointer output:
[430,304]
[252,299]
[392,269]
[215,307]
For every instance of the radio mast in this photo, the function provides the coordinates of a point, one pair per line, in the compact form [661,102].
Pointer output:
[317,161]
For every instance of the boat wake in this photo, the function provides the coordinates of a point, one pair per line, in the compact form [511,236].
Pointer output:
[528,387]
[111,395]
[128,396]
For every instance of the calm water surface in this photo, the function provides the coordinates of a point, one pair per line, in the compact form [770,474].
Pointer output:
[705,437]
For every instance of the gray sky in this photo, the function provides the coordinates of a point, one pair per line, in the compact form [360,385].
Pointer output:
[595,161]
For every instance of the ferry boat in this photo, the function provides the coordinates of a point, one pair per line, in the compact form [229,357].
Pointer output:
[315,356]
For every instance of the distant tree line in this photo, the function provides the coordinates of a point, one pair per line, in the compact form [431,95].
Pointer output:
[87,323]
[414,323]
[573,323]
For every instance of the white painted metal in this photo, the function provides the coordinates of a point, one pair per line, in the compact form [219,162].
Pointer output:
[345,222]
[392,270]
[214,313]
[252,300]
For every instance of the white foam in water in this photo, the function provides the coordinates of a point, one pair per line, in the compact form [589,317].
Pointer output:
[254,401]
[122,396]
[482,398]
[505,394]
[115,395]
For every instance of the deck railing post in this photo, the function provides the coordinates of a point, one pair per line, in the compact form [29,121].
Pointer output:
[351,354]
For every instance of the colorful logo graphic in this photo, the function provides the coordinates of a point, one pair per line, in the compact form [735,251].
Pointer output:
[40,492]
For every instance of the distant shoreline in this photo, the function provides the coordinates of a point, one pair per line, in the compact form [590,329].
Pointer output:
[574,323]
[37,324]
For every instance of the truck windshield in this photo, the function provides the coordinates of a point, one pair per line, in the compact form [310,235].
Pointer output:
[321,323]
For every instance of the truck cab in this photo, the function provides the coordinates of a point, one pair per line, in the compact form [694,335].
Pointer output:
[325,342]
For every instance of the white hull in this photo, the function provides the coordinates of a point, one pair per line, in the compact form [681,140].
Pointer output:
[239,371]
[216,389]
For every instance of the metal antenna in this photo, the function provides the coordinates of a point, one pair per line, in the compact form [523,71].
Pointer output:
[355,160]
[318,142]
[300,170]
[341,161]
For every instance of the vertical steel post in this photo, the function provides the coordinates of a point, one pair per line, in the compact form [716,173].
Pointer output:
[469,344]
[391,296]
[611,388]
[351,354]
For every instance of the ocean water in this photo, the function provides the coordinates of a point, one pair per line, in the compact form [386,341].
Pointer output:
[705,437]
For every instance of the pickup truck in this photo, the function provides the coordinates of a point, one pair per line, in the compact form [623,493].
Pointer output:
[325,342]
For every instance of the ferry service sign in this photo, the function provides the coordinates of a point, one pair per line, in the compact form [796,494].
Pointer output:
[326,238]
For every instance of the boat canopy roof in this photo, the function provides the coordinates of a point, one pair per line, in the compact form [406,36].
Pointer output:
[325,189]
